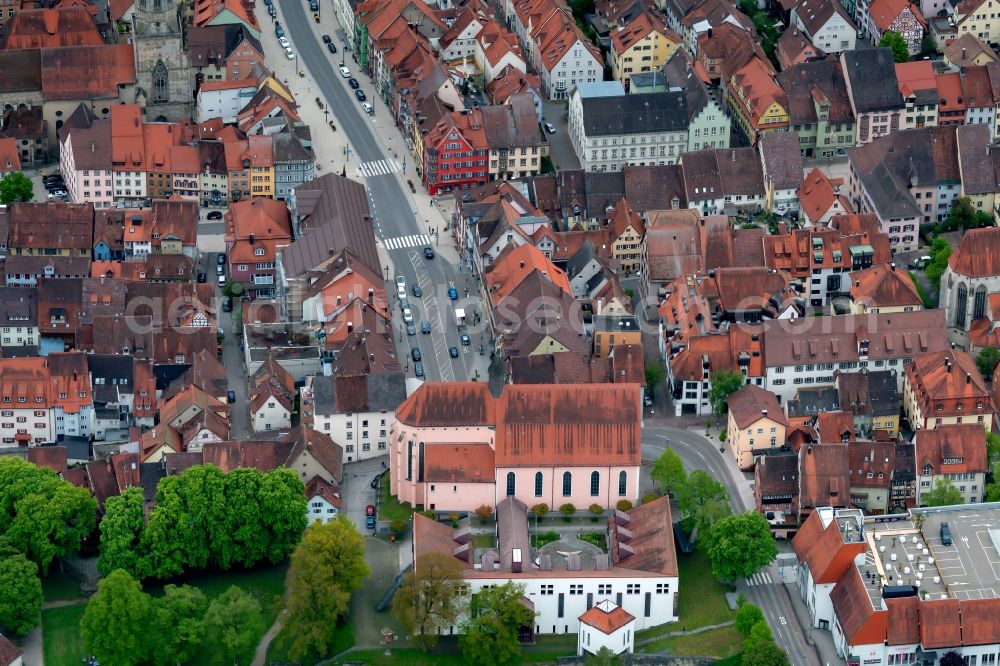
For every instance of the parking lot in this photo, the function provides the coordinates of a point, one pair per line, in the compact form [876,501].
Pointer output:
[970,567]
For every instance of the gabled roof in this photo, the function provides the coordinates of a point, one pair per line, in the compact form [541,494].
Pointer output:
[883,286]
[962,445]
[824,475]
[871,78]
[606,617]
[815,14]
[977,254]
[752,403]
[782,159]
[47,28]
[86,72]
[625,37]
[885,12]
[817,196]
[860,622]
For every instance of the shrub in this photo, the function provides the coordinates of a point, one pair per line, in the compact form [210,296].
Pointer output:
[623,505]
[539,539]
[722,436]
[567,510]
[648,497]
[540,510]
[484,512]
[453,517]
[596,509]
[398,526]
[429,513]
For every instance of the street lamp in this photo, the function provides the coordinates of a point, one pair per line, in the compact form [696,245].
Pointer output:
[326,112]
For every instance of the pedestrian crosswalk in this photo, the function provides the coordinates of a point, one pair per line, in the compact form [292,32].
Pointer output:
[400,242]
[759,578]
[378,168]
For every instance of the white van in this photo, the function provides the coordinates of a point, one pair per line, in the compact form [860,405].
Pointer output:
[369,109]
[222,280]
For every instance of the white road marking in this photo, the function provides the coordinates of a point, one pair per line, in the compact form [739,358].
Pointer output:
[400,242]
[378,168]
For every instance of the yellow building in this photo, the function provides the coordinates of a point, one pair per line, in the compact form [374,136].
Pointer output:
[627,232]
[978,18]
[756,100]
[612,330]
[883,288]
[644,45]
[261,156]
[756,424]
[946,388]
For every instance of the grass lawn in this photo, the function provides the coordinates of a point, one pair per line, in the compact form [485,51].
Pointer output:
[341,638]
[722,642]
[484,541]
[389,507]
[60,587]
[543,652]
[61,635]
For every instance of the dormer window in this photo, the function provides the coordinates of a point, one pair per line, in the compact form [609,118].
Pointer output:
[258,252]
[22,400]
[927,470]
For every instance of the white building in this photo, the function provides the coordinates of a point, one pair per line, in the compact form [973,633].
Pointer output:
[567,60]
[224,99]
[356,412]
[611,130]
[970,280]
[129,187]
[85,158]
[458,43]
[324,500]
[639,573]
[801,354]
[606,625]
[826,24]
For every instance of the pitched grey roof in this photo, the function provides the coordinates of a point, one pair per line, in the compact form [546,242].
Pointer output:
[782,159]
[871,79]
[811,401]
[384,392]
[18,306]
[581,258]
[644,113]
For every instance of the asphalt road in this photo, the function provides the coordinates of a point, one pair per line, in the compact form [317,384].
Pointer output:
[771,597]
[394,216]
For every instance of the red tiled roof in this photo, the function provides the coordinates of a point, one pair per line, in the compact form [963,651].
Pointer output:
[940,624]
[606,621]
[752,403]
[459,463]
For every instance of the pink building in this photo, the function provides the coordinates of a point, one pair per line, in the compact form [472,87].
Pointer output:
[454,447]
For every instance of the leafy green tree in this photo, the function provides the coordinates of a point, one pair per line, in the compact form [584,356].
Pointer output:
[326,567]
[668,472]
[202,490]
[724,383]
[747,615]
[895,41]
[282,511]
[20,594]
[234,623]
[764,653]
[491,635]
[168,532]
[115,624]
[944,493]
[242,521]
[711,512]
[986,361]
[655,375]
[41,515]
[177,621]
[739,545]
[952,658]
[697,490]
[603,657]
[760,632]
[122,530]
[431,598]
[940,252]
[992,448]
[14,187]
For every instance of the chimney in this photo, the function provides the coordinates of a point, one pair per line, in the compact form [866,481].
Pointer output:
[963,53]
[350,327]
[763,412]
[968,378]
[251,238]
[892,266]
[947,364]
[521,264]
[93,147]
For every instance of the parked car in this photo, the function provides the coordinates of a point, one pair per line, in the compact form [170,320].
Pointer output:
[410,328]
[400,283]
[227,305]
[417,291]
[221,258]
[219,269]
[428,253]
[360,94]
[453,352]
[374,483]
[313,6]
[230,397]
[415,353]
[367,107]
[404,303]
[945,535]
[278,30]
[326,39]
[370,517]
[408,315]
[284,42]
[289,54]
[920,262]
[425,327]
[331,47]
[222,280]
[418,369]
[271,11]
[215,215]
[202,277]
[344,72]
[550,128]
[353,82]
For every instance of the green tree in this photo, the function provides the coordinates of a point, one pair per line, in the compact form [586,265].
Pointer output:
[739,545]
[122,528]
[764,653]
[491,635]
[724,383]
[14,187]
[202,490]
[603,657]
[41,515]
[243,521]
[326,567]
[282,511]
[20,594]
[895,41]
[986,361]
[234,623]
[952,658]
[177,621]
[668,472]
[940,252]
[944,493]
[431,598]
[655,375]
[747,615]
[697,490]
[992,448]
[711,512]
[115,624]
[168,531]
